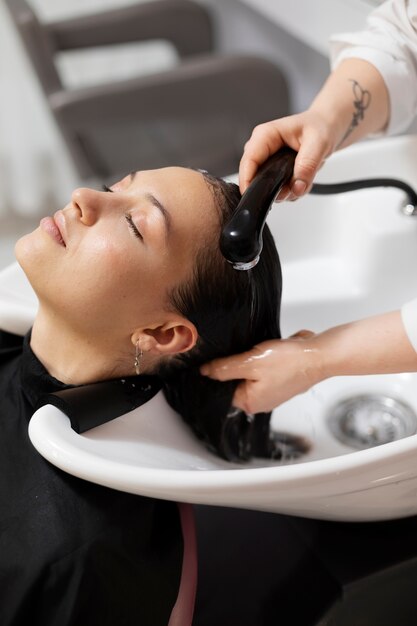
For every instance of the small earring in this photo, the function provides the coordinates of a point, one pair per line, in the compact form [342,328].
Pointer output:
[138,357]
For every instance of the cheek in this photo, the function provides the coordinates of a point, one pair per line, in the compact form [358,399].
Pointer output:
[113,283]
[102,269]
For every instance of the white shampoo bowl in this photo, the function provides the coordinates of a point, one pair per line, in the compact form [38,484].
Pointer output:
[343,257]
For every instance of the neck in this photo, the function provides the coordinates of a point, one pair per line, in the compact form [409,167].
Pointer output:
[76,359]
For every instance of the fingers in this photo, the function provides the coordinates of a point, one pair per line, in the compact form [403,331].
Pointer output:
[228,368]
[270,373]
[264,141]
[252,397]
[307,133]
[232,368]
[303,334]
[308,161]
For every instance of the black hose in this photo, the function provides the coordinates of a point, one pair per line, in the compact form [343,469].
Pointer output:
[353,185]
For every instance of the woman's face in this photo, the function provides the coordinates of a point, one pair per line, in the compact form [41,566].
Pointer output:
[110,259]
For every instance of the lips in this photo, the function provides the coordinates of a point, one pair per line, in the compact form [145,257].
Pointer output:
[51,227]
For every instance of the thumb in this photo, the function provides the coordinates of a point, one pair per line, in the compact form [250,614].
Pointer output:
[308,161]
[240,396]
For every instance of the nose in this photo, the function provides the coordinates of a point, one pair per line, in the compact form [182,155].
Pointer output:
[92,203]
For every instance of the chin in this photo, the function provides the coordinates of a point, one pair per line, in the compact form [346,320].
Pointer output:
[22,248]
[30,254]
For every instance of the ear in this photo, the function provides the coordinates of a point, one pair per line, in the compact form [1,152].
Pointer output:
[170,338]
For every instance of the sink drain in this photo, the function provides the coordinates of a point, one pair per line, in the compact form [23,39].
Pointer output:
[371,420]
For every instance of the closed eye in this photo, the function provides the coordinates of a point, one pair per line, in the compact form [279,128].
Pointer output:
[128,218]
[132,226]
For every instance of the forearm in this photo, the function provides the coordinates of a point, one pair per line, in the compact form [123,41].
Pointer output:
[354,102]
[375,345]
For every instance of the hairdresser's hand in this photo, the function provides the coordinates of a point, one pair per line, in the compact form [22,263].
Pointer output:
[307,133]
[330,123]
[272,372]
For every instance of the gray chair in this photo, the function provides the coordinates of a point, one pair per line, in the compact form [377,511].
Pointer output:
[198,114]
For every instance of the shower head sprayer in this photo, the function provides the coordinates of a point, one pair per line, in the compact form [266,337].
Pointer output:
[241,238]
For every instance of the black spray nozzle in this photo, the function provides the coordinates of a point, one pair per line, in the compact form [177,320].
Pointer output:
[241,238]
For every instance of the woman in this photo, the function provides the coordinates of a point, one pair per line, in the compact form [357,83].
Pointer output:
[127,281]
[372,89]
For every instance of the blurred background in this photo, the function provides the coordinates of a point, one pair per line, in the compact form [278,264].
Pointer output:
[150,102]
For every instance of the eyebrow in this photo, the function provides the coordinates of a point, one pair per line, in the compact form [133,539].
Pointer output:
[166,215]
[149,196]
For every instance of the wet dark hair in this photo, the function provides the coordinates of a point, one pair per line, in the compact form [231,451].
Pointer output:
[232,311]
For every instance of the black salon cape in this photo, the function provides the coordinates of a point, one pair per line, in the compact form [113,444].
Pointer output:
[71,552]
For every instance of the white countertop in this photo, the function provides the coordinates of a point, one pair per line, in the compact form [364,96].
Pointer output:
[314,21]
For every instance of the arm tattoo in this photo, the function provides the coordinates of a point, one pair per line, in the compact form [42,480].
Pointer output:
[362,100]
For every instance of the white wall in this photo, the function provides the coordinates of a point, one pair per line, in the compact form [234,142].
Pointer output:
[241,29]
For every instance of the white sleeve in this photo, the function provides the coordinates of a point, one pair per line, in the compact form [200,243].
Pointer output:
[409,317]
[390,44]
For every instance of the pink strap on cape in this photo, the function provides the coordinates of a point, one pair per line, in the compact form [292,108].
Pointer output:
[183,610]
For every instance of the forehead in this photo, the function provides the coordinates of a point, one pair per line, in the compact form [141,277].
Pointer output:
[178,186]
